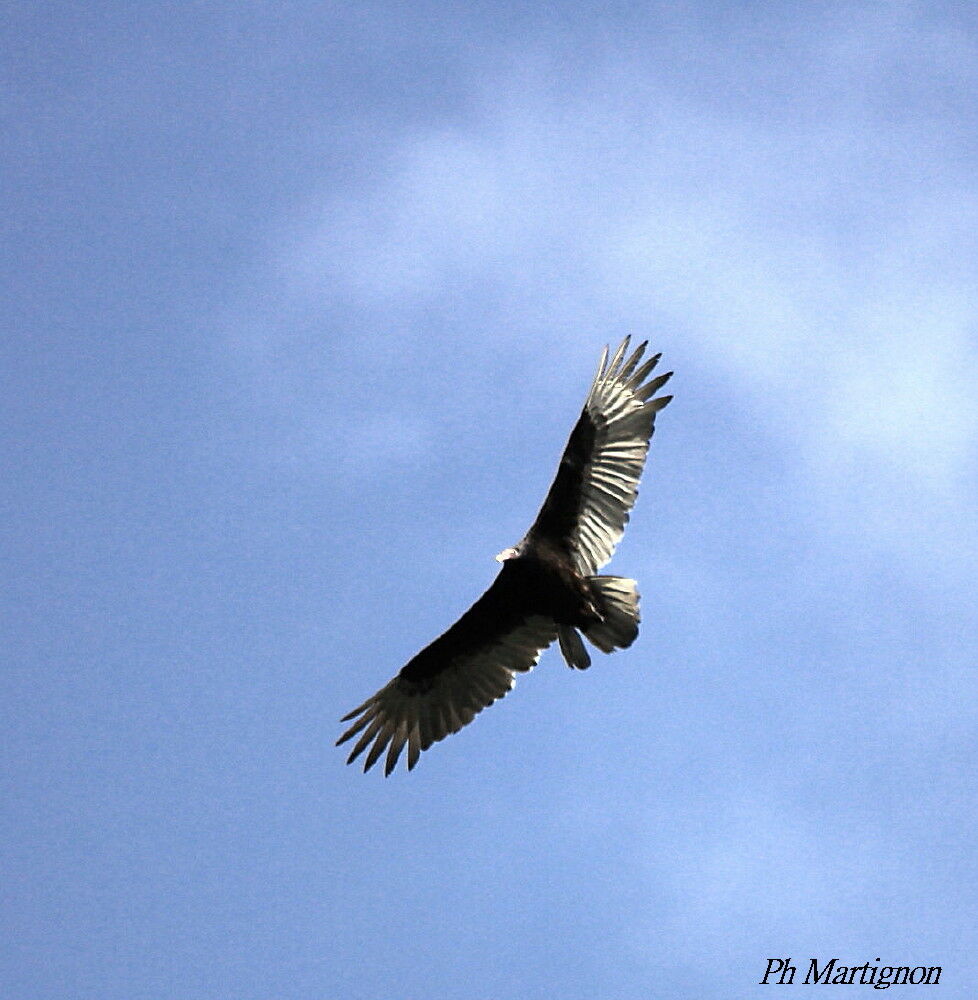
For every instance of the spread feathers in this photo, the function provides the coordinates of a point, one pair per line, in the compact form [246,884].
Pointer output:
[546,589]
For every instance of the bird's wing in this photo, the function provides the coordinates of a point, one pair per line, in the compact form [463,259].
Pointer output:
[448,683]
[596,485]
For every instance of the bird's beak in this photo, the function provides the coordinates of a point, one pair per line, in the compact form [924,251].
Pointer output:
[505,554]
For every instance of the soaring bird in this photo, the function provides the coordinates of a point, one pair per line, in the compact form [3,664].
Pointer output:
[547,587]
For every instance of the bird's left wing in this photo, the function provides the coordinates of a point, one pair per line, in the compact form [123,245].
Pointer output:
[449,682]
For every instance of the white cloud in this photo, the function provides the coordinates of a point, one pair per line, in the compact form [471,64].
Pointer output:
[823,265]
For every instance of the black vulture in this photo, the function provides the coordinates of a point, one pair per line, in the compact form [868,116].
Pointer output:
[547,588]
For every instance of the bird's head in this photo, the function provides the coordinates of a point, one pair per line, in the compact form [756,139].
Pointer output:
[507,554]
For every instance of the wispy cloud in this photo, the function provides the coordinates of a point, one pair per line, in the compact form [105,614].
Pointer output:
[815,261]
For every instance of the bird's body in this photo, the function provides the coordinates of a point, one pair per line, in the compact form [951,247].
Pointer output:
[547,588]
[527,586]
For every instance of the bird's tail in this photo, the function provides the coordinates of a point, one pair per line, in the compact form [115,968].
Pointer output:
[616,598]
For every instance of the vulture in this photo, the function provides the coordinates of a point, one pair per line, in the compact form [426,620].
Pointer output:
[547,588]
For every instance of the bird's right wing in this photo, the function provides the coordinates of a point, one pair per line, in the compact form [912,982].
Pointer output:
[450,681]
[587,507]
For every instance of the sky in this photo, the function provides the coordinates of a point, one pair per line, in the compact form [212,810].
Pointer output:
[299,302]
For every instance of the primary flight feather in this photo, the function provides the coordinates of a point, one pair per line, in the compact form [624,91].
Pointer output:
[547,588]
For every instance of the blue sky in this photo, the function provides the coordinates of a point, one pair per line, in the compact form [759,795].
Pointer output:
[300,302]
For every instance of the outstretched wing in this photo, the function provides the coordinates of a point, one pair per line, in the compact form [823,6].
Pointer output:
[449,682]
[596,485]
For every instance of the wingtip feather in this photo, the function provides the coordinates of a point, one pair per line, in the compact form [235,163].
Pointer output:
[651,388]
[619,354]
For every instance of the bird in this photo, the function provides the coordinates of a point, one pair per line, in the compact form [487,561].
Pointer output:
[547,588]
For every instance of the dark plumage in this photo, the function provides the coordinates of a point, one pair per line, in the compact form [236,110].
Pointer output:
[547,588]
